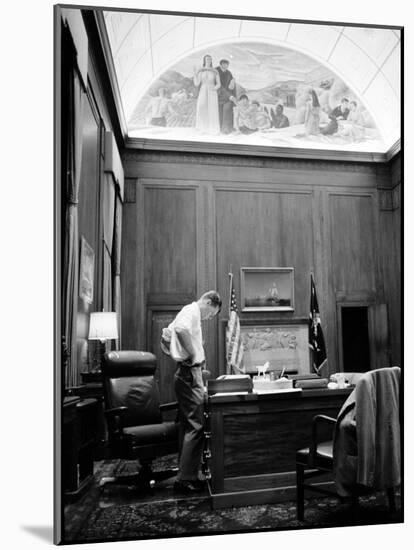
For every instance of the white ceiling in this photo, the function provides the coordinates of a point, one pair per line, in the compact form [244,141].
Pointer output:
[144,46]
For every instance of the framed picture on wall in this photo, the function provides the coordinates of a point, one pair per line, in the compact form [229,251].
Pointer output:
[267,288]
[86,271]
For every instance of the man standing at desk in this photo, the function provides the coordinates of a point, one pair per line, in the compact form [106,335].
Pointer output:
[189,388]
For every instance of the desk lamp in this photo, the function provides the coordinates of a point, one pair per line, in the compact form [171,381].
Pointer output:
[102,327]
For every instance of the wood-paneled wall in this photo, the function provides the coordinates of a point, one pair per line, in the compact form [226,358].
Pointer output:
[188,218]
[389,237]
[88,225]
[98,193]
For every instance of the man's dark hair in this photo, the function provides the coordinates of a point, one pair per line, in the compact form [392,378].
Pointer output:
[214,298]
[224,61]
[279,106]
[243,96]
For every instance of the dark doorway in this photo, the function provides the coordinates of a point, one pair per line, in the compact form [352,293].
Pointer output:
[355,339]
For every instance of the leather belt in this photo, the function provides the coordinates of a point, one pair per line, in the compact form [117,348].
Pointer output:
[185,365]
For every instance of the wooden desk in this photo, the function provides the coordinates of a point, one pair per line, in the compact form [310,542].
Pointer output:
[251,443]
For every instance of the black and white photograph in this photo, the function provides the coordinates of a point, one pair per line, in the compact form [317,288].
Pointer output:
[192,147]
[228,298]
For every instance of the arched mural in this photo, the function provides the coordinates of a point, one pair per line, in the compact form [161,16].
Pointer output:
[261,94]
[294,75]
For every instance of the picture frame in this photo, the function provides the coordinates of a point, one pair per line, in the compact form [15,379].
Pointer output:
[86,271]
[267,289]
[283,344]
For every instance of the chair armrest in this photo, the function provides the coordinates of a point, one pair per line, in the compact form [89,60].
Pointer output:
[169,406]
[117,411]
[317,421]
[321,419]
[114,419]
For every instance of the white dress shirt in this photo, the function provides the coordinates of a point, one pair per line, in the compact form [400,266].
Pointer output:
[189,319]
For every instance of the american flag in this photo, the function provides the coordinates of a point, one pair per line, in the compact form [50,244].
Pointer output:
[316,339]
[234,344]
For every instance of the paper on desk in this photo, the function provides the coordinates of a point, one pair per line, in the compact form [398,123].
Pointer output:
[232,376]
[284,390]
[231,393]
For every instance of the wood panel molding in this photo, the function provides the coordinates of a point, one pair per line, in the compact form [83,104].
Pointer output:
[248,171]
[389,199]
[347,226]
[130,157]
[396,197]
[171,238]
[260,188]
[157,319]
[161,183]
[351,293]
[168,299]
[260,151]
[386,199]
[130,191]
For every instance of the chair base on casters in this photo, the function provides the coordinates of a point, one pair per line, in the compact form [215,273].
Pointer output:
[143,481]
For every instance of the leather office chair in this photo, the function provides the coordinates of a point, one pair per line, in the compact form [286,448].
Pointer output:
[136,429]
[364,450]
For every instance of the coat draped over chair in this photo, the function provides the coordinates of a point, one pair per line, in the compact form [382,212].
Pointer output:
[367,450]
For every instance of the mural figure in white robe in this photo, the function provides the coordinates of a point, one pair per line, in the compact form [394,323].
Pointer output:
[207,111]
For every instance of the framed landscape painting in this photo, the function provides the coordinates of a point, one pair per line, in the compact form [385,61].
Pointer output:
[267,288]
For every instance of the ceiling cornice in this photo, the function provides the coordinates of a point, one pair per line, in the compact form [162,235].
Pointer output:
[255,150]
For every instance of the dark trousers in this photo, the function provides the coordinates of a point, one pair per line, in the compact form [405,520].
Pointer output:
[189,391]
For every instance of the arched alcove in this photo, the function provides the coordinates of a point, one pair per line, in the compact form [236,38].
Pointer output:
[364,62]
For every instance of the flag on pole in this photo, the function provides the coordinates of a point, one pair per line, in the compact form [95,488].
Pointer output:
[316,339]
[234,344]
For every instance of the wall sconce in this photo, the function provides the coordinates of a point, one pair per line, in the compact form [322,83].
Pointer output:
[103,326]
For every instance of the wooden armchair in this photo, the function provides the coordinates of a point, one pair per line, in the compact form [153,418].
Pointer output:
[363,450]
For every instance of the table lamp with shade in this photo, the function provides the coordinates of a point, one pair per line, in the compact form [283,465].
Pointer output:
[103,326]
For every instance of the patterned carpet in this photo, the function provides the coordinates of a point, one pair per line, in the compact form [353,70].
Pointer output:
[121,514]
